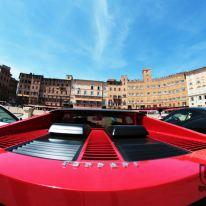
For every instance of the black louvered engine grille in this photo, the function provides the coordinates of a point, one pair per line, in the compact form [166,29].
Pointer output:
[133,149]
[50,147]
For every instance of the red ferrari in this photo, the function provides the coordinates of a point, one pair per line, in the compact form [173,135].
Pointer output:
[100,157]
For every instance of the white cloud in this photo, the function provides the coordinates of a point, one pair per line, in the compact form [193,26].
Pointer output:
[103,21]
[111,29]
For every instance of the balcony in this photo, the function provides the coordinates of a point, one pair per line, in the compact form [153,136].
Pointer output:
[88,96]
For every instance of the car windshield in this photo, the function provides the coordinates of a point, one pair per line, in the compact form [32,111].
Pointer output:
[98,120]
[5,117]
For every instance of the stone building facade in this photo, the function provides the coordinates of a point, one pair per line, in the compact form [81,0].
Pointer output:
[169,91]
[37,90]
[12,89]
[8,85]
[116,97]
[88,93]
[145,93]
[196,85]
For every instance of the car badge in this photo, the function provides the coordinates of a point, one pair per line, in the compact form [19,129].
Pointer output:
[87,164]
[100,164]
[113,165]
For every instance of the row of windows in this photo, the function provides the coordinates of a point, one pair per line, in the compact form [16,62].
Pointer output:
[116,103]
[197,82]
[88,89]
[5,79]
[55,83]
[115,89]
[119,96]
[3,85]
[25,86]
[197,86]
[36,93]
[56,92]
[201,97]
[156,86]
[30,76]
[92,87]
[86,93]
[199,105]
[159,92]
[158,100]
[54,98]
[25,81]
[49,90]
[159,105]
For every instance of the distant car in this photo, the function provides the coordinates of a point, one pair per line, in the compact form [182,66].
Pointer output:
[151,113]
[191,118]
[6,116]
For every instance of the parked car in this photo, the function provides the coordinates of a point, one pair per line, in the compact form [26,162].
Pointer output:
[191,118]
[6,116]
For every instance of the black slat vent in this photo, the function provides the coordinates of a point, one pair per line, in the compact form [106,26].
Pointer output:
[51,147]
[134,149]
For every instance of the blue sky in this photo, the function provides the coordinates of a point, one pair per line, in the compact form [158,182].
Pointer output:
[101,39]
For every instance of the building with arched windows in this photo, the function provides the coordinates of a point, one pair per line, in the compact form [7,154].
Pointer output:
[176,90]
[148,92]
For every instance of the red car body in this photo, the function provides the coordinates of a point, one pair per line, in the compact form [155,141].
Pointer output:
[110,180]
